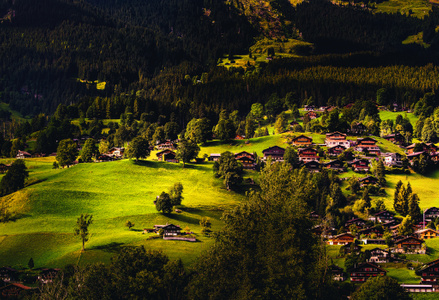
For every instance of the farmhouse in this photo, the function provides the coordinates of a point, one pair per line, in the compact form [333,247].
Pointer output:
[167,145]
[313,166]
[374,230]
[430,272]
[409,245]
[312,115]
[116,152]
[341,239]
[426,234]
[383,216]
[395,138]
[360,165]
[358,128]
[360,223]
[48,275]
[167,155]
[363,271]
[214,157]
[276,153]
[368,180]
[393,160]
[367,145]
[336,165]
[301,140]
[247,159]
[23,154]
[336,139]
[337,273]
[431,214]
[168,229]
[308,154]
[336,150]
[379,256]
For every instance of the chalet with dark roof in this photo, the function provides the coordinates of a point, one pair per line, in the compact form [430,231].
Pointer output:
[167,155]
[337,273]
[378,231]
[364,271]
[48,275]
[341,239]
[309,107]
[302,141]
[383,216]
[426,234]
[336,139]
[358,129]
[23,155]
[431,214]
[336,150]
[368,180]
[312,115]
[336,165]
[308,154]
[167,145]
[430,272]
[350,248]
[116,152]
[247,159]
[379,256]
[425,147]
[395,138]
[324,231]
[214,157]
[276,153]
[367,145]
[393,160]
[360,165]
[409,244]
[312,166]
[168,229]
[360,223]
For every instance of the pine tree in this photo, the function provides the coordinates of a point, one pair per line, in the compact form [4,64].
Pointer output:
[366,197]
[396,204]
[414,210]
[380,173]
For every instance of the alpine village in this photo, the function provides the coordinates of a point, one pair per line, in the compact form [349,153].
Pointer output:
[219,149]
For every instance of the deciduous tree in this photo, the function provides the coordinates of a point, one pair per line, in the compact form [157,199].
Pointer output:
[138,148]
[81,228]
[164,203]
[187,150]
[66,152]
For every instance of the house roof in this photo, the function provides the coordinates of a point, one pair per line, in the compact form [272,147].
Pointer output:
[430,208]
[334,133]
[272,148]
[367,264]
[343,234]
[19,285]
[166,151]
[302,136]
[366,139]
[368,177]
[384,211]
[408,238]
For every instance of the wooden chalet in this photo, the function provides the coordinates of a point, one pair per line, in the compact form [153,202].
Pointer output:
[417,155]
[426,147]
[312,115]
[167,155]
[379,256]
[309,108]
[364,271]
[368,145]
[214,157]
[374,230]
[23,155]
[360,165]
[301,141]
[167,145]
[341,239]
[324,231]
[247,159]
[337,273]
[393,160]
[48,275]
[336,150]
[358,129]
[431,214]
[360,223]
[168,229]
[8,274]
[116,152]
[312,166]
[336,139]
[409,244]
[430,272]
[373,241]
[104,157]
[336,165]
[395,138]
[276,153]
[350,248]
[426,234]
[15,291]
[308,154]
[419,288]
[383,216]
[368,180]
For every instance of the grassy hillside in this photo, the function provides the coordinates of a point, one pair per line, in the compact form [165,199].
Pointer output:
[113,192]
[386,115]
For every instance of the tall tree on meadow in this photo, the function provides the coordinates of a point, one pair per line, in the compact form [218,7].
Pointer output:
[81,228]
[138,148]
[187,150]
[89,150]
[228,168]
[66,152]
[281,124]
[164,203]
[380,173]
[175,192]
[15,178]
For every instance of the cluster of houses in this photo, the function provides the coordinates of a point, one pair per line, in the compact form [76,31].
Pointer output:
[371,231]
[12,287]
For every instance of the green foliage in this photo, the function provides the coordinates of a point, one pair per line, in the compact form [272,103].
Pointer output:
[164,203]
[406,226]
[291,157]
[89,150]
[66,152]
[198,130]
[81,228]
[138,148]
[382,287]
[187,150]
[175,192]
[228,168]
[129,224]
[281,124]
[104,146]
[14,178]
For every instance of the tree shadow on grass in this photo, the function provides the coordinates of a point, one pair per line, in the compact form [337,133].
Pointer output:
[111,247]
[183,218]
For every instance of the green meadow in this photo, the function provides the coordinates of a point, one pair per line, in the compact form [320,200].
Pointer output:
[113,193]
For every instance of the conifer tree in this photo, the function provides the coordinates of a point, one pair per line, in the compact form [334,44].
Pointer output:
[396,203]
[380,173]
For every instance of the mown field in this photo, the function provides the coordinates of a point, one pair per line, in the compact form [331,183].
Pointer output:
[113,193]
